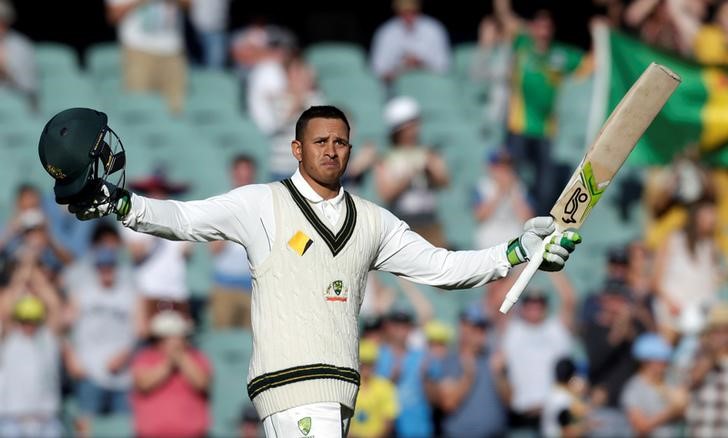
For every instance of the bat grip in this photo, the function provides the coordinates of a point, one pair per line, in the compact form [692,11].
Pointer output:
[526,275]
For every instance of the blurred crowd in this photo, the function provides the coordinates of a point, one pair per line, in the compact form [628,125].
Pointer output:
[104,316]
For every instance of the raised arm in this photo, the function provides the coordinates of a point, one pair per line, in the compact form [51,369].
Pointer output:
[230,216]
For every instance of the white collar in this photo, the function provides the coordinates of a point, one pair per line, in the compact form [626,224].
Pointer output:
[310,194]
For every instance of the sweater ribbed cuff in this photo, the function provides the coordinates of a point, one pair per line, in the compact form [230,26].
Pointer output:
[302,393]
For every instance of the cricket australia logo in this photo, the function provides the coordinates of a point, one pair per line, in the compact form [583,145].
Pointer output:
[55,172]
[337,291]
[304,425]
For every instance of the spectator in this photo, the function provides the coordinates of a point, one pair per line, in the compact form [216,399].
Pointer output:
[209,18]
[171,382]
[249,423]
[409,174]
[376,403]
[502,206]
[438,337]
[473,391]
[540,65]
[30,391]
[152,38]
[564,412]
[490,68]
[668,24]
[254,44]
[705,41]
[532,343]
[279,87]
[160,265]
[652,405]
[17,60]
[706,413]
[409,41]
[402,365]
[609,327]
[686,269]
[103,307]
[28,230]
[232,283]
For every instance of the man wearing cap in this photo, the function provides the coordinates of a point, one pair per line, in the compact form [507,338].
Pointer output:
[376,403]
[30,316]
[653,406]
[401,362]
[532,342]
[310,245]
[103,309]
[409,175]
[171,382]
[409,41]
[472,391]
[707,413]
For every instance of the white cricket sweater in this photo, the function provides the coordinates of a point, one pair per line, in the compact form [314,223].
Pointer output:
[313,283]
[248,216]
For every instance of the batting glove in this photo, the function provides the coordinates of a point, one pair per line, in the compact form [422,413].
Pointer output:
[109,199]
[557,249]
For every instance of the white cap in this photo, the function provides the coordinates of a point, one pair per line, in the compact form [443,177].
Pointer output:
[169,323]
[30,219]
[400,110]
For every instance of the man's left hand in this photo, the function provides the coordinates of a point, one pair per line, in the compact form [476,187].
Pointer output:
[557,249]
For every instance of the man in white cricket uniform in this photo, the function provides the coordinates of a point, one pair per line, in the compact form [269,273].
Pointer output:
[310,245]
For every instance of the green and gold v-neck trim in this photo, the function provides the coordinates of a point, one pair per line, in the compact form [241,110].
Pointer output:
[337,242]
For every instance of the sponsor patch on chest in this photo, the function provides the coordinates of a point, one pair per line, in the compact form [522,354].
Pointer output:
[300,242]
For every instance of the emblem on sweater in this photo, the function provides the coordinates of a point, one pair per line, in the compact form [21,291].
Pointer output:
[337,291]
[304,425]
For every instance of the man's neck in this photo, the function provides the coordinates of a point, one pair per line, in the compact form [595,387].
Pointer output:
[325,191]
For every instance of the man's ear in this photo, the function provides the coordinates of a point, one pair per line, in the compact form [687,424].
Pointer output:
[297,150]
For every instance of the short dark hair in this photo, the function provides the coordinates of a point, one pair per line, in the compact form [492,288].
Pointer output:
[242,158]
[319,112]
[102,229]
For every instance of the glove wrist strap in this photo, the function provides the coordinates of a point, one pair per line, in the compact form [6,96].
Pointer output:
[123,205]
[515,252]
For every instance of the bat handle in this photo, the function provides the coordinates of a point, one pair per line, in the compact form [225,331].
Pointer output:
[526,275]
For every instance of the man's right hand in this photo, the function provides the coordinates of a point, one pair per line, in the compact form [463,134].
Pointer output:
[109,199]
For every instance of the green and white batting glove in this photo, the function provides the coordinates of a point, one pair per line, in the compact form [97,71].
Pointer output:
[109,199]
[557,249]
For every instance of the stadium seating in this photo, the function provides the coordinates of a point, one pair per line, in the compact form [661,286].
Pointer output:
[336,58]
[14,108]
[55,58]
[103,60]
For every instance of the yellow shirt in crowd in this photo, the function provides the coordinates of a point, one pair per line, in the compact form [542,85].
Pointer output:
[711,45]
[376,406]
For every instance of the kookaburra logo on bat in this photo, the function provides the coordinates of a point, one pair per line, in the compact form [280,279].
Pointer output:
[572,206]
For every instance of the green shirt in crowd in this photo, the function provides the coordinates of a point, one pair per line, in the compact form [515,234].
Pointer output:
[536,77]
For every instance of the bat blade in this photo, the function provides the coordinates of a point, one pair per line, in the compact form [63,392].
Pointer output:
[615,141]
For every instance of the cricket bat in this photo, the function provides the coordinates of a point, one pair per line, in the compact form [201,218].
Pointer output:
[616,140]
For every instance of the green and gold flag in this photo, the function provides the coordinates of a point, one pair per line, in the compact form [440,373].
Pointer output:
[695,116]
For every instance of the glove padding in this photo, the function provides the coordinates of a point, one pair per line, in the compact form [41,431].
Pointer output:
[557,249]
[109,199]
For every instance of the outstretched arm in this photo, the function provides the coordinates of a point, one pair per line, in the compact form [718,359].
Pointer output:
[233,216]
[408,255]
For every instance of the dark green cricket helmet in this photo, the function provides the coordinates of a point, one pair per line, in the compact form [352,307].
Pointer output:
[79,150]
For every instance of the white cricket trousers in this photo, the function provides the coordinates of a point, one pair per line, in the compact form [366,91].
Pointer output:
[316,420]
